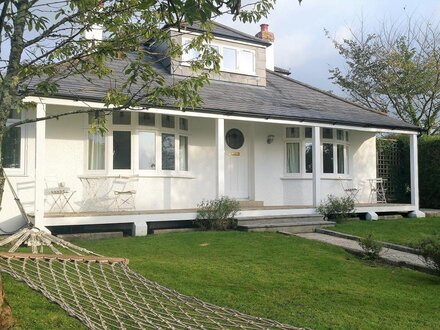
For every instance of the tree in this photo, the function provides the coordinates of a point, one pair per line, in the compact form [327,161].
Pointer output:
[42,41]
[395,70]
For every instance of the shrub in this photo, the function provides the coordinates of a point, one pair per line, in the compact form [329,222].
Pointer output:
[337,208]
[217,214]
[371,247]
[430,250]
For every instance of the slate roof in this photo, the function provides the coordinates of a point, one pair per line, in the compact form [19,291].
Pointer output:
[282,98]
[224,31]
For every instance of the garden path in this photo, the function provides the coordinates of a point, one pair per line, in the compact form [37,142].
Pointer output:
[390,255]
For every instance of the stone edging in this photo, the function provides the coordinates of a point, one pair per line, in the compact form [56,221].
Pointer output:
[357,238]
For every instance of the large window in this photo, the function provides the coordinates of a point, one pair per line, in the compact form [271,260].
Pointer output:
[299,151]
[11,145]
[139,142]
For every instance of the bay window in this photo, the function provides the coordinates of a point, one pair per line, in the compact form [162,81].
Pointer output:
[143,142]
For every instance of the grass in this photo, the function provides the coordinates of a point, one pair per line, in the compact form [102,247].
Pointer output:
[32,311]
[289,279]
[402,231]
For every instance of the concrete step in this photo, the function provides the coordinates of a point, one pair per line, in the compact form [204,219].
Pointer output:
[250,204]
[294,226]
[279,219]
[390,216]
[173,230]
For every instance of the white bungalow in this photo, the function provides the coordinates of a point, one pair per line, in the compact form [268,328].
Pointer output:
[276,144]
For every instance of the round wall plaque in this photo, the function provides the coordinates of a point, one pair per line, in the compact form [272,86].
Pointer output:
[234,138]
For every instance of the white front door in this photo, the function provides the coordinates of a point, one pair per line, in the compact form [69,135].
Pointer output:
[236,162]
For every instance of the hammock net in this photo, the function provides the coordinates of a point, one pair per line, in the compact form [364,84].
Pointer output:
[104,293]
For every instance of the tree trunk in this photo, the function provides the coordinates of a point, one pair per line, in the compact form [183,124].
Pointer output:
[6,320]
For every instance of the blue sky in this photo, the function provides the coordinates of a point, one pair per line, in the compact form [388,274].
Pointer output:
[300,41]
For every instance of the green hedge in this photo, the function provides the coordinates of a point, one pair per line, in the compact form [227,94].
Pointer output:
[429,171]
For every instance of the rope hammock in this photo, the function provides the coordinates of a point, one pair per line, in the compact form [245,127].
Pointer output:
[104,293]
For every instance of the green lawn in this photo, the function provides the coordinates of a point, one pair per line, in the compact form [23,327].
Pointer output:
[402,231]
[292,280]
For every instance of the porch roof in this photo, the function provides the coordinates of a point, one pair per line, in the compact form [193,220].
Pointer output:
[281,98]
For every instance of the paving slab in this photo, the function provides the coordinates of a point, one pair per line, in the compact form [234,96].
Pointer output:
[391,255]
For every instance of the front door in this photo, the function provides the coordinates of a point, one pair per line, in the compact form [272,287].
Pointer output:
[236,162]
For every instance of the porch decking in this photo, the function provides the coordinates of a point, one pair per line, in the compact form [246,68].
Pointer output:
[137,216]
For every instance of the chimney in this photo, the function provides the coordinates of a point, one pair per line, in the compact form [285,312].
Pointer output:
[268,36]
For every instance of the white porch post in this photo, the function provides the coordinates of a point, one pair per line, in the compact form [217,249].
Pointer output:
[40,158]
[414,171]
[316,150]
[220,155]
[414,164]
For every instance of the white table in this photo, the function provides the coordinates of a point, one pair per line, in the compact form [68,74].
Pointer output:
[61,198]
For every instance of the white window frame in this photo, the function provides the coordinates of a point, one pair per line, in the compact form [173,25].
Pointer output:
[334,141]
[303,142]
[293,140]
[86,148]
[135,128]
[239,50]
[22,170]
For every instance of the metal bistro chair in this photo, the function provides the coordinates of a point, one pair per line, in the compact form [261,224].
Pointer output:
[124,189]
[60,194]
[351,191]
[377,188]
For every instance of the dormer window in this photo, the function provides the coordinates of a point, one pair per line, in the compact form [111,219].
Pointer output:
[233,59]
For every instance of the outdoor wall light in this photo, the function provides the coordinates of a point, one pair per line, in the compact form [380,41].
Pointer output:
[270,138]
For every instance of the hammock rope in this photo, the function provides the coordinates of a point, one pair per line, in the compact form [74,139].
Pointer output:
[104,293]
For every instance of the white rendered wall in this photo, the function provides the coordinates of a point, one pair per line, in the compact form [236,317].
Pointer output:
[66,147]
